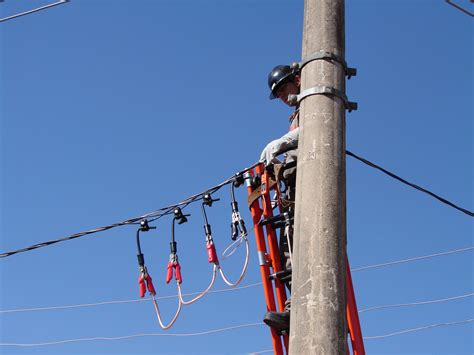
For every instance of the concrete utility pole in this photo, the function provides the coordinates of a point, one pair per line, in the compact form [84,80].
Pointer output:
[318,324]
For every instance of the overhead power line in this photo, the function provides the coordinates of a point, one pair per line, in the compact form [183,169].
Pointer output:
[84,305]
[34,10]
[135,220]
[412,259]
[450,2]
[169,209]
[418,329]
[207,332]
[416,303]
[140,300]
[396,262]
[214,331]
[439,198]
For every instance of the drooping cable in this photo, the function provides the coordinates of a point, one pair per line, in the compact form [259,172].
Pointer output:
[232,248]
[201,294]
[158,314]
[244,268]
[238,234]
[173,268]
[439,198]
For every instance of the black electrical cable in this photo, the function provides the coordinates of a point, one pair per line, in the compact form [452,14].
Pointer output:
[439,198]
[152,216]
[460,8]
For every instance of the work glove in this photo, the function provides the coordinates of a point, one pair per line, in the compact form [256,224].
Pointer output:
[278,146]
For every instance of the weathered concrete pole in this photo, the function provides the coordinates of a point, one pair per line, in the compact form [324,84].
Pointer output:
[318,309]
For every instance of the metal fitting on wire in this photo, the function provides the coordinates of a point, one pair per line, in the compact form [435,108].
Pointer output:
[210,247]
[179,216]
[144,279]
[173,263]
[237,225]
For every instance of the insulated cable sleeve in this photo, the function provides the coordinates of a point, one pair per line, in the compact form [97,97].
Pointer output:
[244,268]
[158,314]
[203,293]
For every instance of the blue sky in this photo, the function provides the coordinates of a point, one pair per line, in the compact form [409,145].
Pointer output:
[111,109]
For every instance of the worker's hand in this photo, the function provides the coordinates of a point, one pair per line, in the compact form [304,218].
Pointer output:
[269,154]
[278,146]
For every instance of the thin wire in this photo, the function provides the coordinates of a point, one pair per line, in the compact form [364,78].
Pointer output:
[227,290]
[418,329]
[84,305]
[219,330]
[416,303]
[224,290]
[119,302]
[411,259]
[34,10]
[207,332]
[287,234]
[153,215]
[201,294]
[439,198]
[244,268]
[232,248]
[460,8]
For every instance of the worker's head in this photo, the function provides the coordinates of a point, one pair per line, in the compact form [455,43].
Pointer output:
[283,81]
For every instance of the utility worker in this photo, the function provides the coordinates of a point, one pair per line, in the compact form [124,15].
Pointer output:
[284,81]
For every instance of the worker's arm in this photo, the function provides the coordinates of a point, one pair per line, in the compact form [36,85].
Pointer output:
[288,142]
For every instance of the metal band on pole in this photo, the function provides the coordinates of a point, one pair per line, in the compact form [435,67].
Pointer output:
[323,55]
[323,90]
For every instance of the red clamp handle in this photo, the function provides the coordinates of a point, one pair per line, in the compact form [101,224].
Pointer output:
[178,272]
[211,253]
[149,282]
[142,286]
[177,275]
[169,272]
